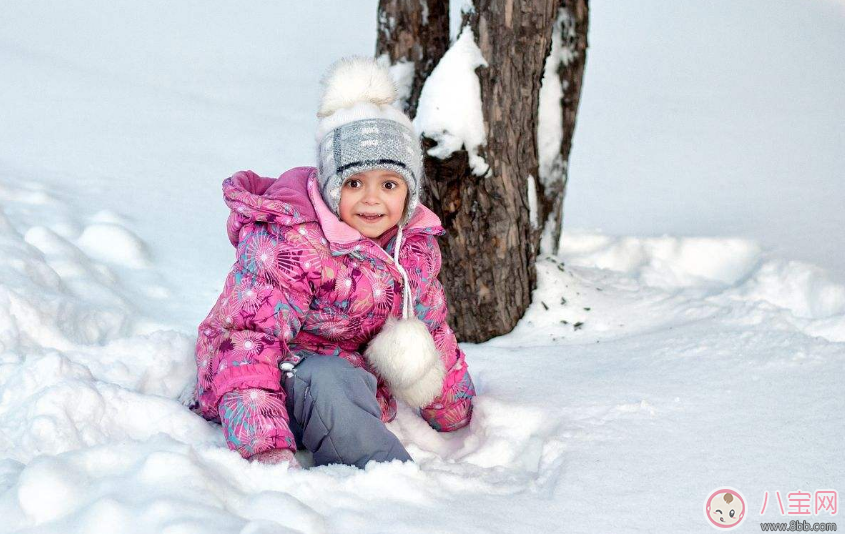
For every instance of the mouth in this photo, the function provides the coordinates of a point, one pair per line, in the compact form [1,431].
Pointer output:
[371,217]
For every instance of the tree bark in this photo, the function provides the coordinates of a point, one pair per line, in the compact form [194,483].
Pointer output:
[489,253]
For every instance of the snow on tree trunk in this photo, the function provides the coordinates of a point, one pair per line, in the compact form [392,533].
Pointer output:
[477,106]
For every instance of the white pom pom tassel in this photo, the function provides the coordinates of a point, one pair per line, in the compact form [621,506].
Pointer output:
[353,80]
[404,354]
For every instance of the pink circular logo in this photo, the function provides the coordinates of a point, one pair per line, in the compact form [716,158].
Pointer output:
[725,508]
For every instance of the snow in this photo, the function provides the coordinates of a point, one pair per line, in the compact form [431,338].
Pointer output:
[457,9]
[113,243]
[532,201]
[449,110]
[696,342]
[424,8]
[402,73]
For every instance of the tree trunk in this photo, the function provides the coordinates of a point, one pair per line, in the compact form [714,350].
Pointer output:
[566,62]
[493,232]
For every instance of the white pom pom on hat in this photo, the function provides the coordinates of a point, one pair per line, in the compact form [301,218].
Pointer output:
[356,88]
[355,79]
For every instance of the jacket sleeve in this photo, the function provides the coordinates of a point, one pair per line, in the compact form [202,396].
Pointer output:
[452,409]
[244,339]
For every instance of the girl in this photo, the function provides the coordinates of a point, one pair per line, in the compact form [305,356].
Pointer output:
[333,309]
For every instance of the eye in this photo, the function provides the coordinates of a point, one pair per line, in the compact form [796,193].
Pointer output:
[352,182]
[732,513]
[717,510]
[391,185]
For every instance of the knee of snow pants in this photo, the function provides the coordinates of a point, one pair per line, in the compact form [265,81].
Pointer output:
[335,415]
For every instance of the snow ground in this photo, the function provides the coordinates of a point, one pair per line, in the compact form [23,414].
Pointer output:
[648,372]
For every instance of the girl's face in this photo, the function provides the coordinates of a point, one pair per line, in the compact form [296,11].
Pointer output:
[373,201]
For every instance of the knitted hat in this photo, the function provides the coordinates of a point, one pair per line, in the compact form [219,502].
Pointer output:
[361,129]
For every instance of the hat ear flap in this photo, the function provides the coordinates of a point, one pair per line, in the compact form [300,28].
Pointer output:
[405,214]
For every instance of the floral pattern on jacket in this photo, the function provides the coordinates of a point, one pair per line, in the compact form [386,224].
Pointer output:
[305,284]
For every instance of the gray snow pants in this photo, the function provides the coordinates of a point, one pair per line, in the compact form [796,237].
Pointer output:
[334,413]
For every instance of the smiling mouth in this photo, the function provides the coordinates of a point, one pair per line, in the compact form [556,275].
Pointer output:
[370,217]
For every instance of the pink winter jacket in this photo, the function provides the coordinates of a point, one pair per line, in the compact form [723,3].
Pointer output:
[305,283]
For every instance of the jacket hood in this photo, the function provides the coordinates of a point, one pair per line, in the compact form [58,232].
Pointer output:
[293,198]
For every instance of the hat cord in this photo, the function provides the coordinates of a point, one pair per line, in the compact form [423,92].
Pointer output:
[406,291]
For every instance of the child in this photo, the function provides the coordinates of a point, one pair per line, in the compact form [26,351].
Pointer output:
[303,347]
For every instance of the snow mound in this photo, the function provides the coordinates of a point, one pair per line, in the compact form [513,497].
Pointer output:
[37,306]
[109,217]
[28,193]
[115,244]
[804,289]
[665,262]
[53,404]
[798,294]
[667,281]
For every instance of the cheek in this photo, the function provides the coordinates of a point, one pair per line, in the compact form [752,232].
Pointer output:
[398,204]
[345,204]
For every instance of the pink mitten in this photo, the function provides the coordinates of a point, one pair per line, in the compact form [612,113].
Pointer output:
[277,456]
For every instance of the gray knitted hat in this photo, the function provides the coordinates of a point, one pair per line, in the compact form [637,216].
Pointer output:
[361,129]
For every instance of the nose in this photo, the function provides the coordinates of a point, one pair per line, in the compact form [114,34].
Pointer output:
[370,195]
